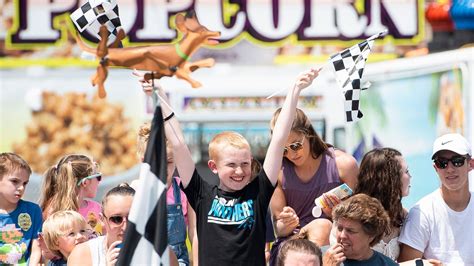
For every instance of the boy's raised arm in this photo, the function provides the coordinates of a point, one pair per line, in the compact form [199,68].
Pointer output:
[281,131]
[174,134]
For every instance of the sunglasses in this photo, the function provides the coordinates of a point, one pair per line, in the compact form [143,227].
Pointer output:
[442,163]
[97,175]
[295,146]
[116,219]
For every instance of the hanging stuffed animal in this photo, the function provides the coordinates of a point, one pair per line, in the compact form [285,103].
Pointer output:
[160,60]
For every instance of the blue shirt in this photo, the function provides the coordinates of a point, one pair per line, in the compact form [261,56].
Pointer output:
[17,230]
[377,259]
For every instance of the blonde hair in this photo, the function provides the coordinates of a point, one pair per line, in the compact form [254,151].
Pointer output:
[59,189]
[231,138]
[58,224]
[11,162]
[142,138]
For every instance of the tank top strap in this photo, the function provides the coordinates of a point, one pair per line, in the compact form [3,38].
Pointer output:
[96,246]
[331,171]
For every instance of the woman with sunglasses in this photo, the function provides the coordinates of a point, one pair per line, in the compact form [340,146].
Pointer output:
[104,250]
[310,168]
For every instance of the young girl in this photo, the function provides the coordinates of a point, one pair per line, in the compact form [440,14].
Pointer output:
[68,185]
[384,175]
[62,231]
[180,214]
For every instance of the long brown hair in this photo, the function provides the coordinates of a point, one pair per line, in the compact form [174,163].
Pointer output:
[59,190]
[302,124]
[380,177]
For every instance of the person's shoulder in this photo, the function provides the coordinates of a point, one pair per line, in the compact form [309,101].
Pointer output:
[348,168]
[384,259]
[80,254]
[93,204]
[28,205]
[343,157]
[429,199]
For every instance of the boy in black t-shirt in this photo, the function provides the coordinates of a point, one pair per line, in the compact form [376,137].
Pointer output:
[231,216]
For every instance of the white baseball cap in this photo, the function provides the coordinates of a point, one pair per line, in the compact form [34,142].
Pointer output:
[451,142]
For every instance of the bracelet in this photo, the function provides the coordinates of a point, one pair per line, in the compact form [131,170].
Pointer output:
[168,117]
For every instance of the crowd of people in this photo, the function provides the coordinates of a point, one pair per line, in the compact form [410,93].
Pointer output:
[227,223]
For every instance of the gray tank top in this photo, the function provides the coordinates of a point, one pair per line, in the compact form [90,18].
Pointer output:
[96,246]
[299,195]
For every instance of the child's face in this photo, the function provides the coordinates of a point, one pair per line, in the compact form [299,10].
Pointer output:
[12,187]
[76,235]
[90,188]
[233,167]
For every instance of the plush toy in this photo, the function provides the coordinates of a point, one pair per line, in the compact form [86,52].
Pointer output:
[161,60]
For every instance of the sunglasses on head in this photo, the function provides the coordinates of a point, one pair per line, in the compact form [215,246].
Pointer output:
[116,219]
[295,146]
[97,175]
[457,161]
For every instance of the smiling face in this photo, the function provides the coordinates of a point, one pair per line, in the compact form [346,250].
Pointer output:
[233,165]
[298,148]
[12,188]
[452,178]
[69,239]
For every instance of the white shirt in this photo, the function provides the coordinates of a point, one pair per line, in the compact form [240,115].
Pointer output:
[440,232]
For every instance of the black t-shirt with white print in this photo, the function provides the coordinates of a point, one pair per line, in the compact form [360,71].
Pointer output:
[231,225]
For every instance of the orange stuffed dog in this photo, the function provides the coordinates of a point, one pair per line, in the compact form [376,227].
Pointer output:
[161,60]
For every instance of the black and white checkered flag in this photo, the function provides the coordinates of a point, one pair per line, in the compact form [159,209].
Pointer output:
[349,65]
[146,238]
[94,13]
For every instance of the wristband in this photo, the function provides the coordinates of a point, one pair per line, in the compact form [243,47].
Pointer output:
[168,117]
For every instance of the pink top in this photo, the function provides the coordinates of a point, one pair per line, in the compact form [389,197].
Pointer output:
[91,212]
[184,200]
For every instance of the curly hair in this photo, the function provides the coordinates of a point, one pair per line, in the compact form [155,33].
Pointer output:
[302,124]
[380,177]
[366,210]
